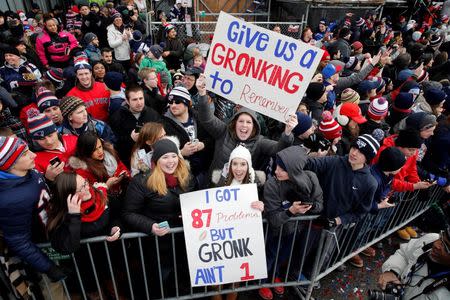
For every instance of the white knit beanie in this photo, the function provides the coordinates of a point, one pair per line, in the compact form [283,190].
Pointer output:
[240,152]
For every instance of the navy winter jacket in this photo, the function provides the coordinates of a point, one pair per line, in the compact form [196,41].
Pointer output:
[384,186]
[20,198]
[347,194]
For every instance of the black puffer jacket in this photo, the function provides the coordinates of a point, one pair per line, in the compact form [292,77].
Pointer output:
[143,207]
[301,186]
[259,146]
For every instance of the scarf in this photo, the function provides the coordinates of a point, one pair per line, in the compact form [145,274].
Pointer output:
[171,181]
[110,163]
[92,209]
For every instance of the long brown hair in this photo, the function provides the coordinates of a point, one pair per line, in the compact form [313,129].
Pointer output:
[86,144]
[65,184]
[150,132]
[157,180]
[230,176]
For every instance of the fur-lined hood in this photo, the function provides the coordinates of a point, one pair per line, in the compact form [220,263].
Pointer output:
[77,163]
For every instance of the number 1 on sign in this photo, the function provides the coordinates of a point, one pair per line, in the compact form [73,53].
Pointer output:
[197,221]
[247,272]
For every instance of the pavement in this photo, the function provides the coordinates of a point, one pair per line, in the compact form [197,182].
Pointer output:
[352,283]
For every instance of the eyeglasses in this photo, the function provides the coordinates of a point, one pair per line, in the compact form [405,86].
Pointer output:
[84,186]
[441,237]
[177,101]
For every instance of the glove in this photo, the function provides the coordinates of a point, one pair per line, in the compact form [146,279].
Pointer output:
[326,223]
[56,274]
[440,181]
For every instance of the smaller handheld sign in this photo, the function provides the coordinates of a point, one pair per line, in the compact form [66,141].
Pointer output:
[224,235]
[260,69]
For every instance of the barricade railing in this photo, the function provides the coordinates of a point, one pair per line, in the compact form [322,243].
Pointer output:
[201,31]
[300,253]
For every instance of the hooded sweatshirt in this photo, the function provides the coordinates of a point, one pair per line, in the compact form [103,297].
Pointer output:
[21,200]
[301,186]
[348,194]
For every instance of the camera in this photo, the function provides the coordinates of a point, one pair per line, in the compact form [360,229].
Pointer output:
[391,292]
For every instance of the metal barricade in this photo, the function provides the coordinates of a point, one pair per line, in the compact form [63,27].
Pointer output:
[201,31]
[149,267]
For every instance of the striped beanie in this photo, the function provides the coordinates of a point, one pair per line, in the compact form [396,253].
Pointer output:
[435,40]
[39,125]
[367,145]
[329,127]
[378,108]
[55,75]
[360,22]
[180,94]
[45,99]
[351,63]
[350,95]
[11,149]
[81,62]
[69,104]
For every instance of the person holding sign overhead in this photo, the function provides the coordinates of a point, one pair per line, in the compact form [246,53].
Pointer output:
[152,203]
[243,129]
[238,171]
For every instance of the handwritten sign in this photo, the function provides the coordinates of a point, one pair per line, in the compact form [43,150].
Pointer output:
[224,235]
[258,68]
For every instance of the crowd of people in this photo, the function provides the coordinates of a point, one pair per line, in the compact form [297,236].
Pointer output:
[103,126]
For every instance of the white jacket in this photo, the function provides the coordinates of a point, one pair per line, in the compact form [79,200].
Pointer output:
[404,259]
[115,41]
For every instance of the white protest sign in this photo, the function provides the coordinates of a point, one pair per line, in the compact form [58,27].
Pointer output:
[224,235]
[260,69]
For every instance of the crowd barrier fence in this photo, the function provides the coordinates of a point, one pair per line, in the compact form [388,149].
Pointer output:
[139,266]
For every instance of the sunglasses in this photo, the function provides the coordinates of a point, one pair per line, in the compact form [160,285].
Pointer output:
[177,101]
[441,237]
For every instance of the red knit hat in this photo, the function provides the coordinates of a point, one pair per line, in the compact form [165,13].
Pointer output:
[378,108]
[329,127]
[357,45]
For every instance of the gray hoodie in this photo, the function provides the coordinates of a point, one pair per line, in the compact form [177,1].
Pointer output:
[301,186]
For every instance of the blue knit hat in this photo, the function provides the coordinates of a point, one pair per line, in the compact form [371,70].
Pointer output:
[304,123]
[434,96]
[39,125]
[45,99]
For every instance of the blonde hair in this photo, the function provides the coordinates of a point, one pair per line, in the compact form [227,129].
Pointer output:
[144,72]
[157,181]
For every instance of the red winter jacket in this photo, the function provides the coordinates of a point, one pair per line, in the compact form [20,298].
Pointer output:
[405,179]
[43,157]
[80,167]
[96,99]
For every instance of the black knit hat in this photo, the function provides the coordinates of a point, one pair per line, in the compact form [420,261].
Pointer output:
[11,50]
[315,91]
[162,147]
[409,138]
[367,145]
[391,159]
[420,121]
